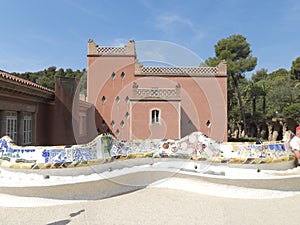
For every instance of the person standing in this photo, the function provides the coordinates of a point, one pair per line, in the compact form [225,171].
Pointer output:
[295,145]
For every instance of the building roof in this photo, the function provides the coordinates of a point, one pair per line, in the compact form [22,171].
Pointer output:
[9,76]
[13,86]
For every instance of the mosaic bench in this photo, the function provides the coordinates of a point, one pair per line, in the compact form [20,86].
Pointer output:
[105,148]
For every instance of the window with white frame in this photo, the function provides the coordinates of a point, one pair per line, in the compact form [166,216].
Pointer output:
[155,116]
[27,129]
[11,125]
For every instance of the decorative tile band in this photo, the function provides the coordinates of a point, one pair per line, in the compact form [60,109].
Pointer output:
[106,148]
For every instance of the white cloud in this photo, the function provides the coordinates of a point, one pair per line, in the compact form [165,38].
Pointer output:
[168,53]
[173,24]
[21,65]
[80,7]
[119,42]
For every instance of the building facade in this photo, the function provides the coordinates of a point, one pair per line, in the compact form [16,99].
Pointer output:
[31,114]
[26,110]
[139,102]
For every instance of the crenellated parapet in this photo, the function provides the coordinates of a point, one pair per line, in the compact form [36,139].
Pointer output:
[142,70]
[126,50]
[201,71]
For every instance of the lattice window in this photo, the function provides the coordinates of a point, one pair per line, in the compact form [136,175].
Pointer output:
[154,92]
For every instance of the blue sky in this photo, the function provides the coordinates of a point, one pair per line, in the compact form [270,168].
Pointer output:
[37,34]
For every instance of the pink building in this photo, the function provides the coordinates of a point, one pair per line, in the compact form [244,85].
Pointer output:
[138,101]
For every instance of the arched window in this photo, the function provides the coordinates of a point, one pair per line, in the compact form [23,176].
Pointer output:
[155,117]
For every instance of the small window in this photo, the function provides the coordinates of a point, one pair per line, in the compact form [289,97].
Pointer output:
[122,124]
[103,124]
[155,116]
[112,123]
[122,75]
[117,99]
[113,75]
[103,99]
[117,132]
[208,124]
[127,99]
[127,115]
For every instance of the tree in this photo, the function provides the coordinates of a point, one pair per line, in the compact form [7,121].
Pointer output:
[260,75]
[295,69]
[264,88]
[236,51]
[292,111]
[253,91]
[260,78]
[47,76]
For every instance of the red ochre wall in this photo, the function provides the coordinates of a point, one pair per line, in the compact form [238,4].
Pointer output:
[168,126]
[203,99]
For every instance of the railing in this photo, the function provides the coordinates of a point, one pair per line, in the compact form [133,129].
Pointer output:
[185,71]
[111,50]
[154,93]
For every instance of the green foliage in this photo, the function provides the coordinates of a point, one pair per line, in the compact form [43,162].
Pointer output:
[46,77]
[265,95]
[295,70]
[259,75]
[292,110]
[236,51]
[277,92]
